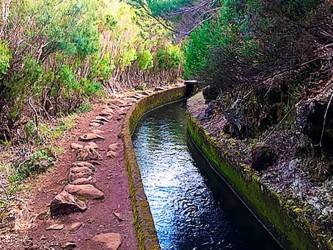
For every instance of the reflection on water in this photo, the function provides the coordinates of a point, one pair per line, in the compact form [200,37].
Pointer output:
[191,206]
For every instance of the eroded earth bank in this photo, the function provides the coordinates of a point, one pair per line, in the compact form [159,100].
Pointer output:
[281,172]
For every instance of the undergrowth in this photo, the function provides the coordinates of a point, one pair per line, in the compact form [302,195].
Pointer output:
[19,164]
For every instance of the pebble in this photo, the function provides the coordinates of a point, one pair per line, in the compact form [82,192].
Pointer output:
[111,240]
[75,226]
[55,227]
[43,237]
[69,245]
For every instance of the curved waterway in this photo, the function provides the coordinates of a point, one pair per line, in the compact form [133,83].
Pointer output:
[192,207]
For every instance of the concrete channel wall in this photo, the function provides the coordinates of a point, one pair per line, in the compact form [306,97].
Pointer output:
[143,223]
[268,206]
[289,229]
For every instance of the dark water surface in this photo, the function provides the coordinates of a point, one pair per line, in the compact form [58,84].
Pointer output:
[191,206]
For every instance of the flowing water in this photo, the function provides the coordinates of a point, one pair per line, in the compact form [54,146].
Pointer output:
[192,207]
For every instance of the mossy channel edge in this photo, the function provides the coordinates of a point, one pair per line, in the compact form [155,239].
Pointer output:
[143,220]
[270,208]
[291,231]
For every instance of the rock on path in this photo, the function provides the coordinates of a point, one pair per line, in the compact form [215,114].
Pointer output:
[66,203]
[85,190]
[111,241]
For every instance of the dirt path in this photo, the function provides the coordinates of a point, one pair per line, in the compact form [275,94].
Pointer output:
[107,221]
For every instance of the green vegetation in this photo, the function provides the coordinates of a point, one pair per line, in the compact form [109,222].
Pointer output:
[56,55]
[268,67]
[253,41]
[169,57]
[56,58]
[164,7]
[63,125]
[5,56]
[18,172]
[37,163]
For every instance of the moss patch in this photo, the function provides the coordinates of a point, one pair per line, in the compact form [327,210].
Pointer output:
[290,229]
[143,220]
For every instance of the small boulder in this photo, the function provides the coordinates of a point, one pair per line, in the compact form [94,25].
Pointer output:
[310,119]
[92,145]
[118,102]
[118,216]
[112,150]
[90,137]
[111,106]
[210,93]
[144,93]
[55,227]
[76,146]
[75,226]
[137,96]
[132,99]
[97,131]
[111,154]
[66,203]
[106,112]
[88,153]
[81,181]
[98,121]
[86,170]
[84,164]
[125,105]
[111,241]
[94,124]
[102,118]
[159,89]
[75,176]
[113,147]
[69,245]
[86,191]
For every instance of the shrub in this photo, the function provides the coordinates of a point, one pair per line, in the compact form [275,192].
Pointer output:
[145,60]
[37,163]
[5,57]
[169,57]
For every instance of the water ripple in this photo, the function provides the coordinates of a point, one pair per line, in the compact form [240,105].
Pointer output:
[192,208]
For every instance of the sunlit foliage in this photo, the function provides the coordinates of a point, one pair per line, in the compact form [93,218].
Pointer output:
[55,54]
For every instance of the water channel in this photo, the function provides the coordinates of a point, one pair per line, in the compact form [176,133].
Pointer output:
[191,205]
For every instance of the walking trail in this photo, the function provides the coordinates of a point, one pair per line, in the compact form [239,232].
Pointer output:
[84,203]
